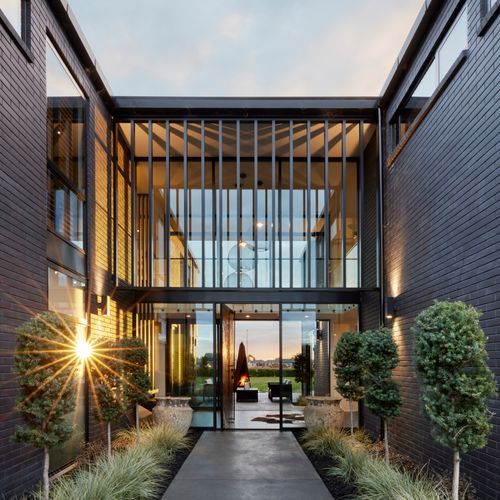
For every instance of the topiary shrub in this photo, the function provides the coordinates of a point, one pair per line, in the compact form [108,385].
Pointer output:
[136,380]
[349,369]
[452,362]
[46,364]
[106,386]
[382,395]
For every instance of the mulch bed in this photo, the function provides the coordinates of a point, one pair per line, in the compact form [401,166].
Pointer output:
[335,485]
[176,463]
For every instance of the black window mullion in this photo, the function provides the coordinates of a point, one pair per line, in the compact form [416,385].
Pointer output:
[344,184]
[361,196]
[291,202]
[134,208]
[167,204]
[280,228]
[255,198]
[326,264]
[308,208]
[273,204]
[220,205]
[150,253]
[239,236]
[185,144]
[203,203]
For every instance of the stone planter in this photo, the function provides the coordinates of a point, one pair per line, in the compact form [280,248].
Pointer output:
[174,412]
[323,411]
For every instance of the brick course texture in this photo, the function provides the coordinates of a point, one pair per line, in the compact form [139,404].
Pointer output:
[441,231]
[23,222]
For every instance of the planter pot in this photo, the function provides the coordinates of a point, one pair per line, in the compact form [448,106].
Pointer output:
[174,412]
[323,412]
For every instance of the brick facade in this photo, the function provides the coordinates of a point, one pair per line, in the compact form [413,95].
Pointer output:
[441,229]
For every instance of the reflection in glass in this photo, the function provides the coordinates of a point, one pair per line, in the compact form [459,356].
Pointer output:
[310,332]
[238,212]
[66,295]
[176,204]
[185,363]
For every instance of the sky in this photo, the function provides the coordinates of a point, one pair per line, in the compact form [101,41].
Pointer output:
[246,47]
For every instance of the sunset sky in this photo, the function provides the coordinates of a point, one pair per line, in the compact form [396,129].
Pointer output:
[246,47]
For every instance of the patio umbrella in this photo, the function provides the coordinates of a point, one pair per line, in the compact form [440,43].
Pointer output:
[241,373]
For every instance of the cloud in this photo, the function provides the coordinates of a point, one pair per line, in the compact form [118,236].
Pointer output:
[238,47]
[232,26]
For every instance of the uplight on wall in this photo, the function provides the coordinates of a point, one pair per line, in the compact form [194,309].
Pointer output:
[389,308]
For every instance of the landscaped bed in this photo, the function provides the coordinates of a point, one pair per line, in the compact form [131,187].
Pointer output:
[353,467]
[133,471]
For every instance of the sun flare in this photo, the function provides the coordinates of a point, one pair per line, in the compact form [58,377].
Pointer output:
[83,349]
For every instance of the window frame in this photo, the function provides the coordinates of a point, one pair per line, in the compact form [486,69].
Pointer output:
[398,140]
[21,38]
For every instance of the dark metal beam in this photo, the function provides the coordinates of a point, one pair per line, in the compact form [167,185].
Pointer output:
[234,295]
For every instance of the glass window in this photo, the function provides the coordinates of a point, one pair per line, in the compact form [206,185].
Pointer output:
[185,361]
[65,151]
[66,295]
[65,211]
[310,332]
[445,56]
[453,44]
[264,221]
[12,10]
[65,121]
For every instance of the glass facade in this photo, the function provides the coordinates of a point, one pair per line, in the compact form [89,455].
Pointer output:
[65,151]
[66,295]
[246,204]
[442,61]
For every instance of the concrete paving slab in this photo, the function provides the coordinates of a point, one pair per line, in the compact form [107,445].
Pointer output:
[247,465]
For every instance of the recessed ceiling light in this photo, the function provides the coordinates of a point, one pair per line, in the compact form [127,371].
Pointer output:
[247,315]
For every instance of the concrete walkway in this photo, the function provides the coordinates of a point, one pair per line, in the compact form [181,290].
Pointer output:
[245,465]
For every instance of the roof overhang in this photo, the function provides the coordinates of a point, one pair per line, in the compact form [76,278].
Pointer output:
[246,107]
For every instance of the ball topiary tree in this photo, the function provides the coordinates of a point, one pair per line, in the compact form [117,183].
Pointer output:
[46,365]
[349,369]
[106,385]
[382,395]
[452,362]
[137,382]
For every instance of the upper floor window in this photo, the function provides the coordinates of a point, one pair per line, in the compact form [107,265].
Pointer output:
[16,12]
[441,62]
[65,150]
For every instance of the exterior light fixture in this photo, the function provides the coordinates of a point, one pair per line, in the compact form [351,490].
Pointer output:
[389,308]
[247,315]
[260,224]
[100,305]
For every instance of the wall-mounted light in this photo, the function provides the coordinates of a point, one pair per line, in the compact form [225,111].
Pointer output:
[389,308]
[100,305]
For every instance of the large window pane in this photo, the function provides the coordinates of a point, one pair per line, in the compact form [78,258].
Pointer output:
[264,221]
[185,364]
[247,226]
[211,203]
[194,204]
[159,166]
[176,203]
[317,205]
[309,333]
[66,295]
[335,204]
[229,216]
[299,205]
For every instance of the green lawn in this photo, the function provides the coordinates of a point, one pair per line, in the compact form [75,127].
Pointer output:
[261,383]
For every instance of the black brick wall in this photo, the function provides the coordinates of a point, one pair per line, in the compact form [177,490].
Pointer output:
[442,203]
[23,223]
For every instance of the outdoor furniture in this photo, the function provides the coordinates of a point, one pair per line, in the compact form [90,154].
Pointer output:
[247,395]
[274,390]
